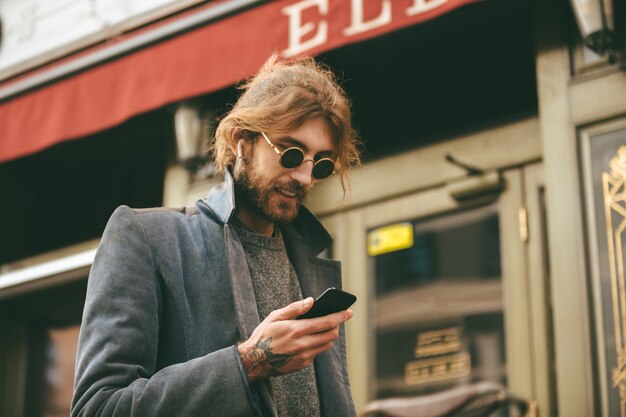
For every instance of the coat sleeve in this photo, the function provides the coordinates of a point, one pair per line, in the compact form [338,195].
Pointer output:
[117,352]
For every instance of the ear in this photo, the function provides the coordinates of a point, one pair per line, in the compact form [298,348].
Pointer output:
[233,139]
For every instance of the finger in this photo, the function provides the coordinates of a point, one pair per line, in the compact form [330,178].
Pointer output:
[310,354]
[293,310]
[321,348]
[321,324]
[305,358]
[316,339]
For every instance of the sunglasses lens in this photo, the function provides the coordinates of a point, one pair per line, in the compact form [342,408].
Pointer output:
[292,158]
[323,168]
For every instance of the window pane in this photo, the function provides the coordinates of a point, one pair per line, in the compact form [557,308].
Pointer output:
[438,306]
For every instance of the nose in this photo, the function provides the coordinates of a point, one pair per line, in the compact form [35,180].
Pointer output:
[304,174]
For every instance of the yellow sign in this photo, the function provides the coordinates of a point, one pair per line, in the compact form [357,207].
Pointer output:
[437,369]
[390,239]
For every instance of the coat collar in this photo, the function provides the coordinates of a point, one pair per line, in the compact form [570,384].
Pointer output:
[220,205]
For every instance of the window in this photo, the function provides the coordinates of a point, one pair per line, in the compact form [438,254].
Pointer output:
[438,307]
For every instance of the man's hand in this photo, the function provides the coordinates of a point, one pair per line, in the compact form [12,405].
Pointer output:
[281,344]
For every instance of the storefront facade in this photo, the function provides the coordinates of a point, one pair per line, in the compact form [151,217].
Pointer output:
[481,236]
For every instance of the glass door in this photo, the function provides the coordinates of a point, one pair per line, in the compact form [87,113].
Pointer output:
[450,291]
[437,315]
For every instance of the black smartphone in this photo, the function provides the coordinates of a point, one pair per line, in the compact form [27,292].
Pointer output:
[331,301]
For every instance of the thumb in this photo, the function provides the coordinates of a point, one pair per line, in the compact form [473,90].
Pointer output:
[294,309]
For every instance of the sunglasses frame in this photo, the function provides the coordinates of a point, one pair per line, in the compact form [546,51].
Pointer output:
[281,153]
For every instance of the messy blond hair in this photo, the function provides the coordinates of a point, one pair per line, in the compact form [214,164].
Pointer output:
[281,97]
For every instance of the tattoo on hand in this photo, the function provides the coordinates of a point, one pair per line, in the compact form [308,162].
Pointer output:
[259,360]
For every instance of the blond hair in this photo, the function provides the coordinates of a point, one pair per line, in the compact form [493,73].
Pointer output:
[281,97]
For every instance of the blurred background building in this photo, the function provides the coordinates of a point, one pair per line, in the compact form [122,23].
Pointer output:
[483,235]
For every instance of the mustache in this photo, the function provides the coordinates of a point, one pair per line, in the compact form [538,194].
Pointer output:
[291,186]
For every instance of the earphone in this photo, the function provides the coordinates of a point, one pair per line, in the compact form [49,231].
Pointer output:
[239,156]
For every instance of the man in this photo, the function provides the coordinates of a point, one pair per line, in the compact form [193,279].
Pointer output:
[192,312]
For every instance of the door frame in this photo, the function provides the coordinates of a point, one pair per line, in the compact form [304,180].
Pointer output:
[524,278]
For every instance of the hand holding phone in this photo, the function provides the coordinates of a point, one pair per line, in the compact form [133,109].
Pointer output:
[331,301]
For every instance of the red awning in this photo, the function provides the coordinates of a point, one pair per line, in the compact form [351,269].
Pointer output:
[197,62]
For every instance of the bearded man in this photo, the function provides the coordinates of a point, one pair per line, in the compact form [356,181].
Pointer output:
[192,312]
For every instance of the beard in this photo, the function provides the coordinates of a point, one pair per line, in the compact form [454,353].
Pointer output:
[255,192]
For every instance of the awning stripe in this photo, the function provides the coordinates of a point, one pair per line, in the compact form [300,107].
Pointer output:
[203,60]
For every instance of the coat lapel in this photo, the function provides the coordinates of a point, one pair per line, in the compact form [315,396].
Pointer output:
[315,276]
[220,204]
[243,292]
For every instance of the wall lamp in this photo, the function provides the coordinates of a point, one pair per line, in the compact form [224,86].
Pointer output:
[596,22]
[191,132]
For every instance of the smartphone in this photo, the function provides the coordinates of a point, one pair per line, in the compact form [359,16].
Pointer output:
[331,301]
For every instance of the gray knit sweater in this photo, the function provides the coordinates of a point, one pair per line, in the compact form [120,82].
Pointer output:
[276,285]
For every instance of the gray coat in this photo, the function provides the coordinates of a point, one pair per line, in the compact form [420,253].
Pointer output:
[169,296]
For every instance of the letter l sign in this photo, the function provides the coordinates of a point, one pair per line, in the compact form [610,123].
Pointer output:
[358,25]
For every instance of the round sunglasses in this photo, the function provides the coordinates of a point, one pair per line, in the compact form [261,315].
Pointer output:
[293,157]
